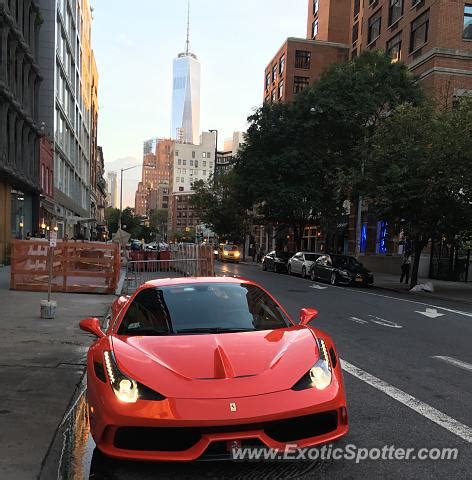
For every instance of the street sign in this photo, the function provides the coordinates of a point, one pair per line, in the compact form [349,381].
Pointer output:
[53,239]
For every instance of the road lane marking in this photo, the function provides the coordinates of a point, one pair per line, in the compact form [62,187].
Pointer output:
[437,417]
[385,323]
[358,320]
[455,362]
[431,313]
[458,312]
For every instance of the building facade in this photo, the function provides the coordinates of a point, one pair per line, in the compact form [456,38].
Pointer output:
[186,99]
[225,159]
[65,107]
[155,172]
[434,38]
[298,64]
[189,163]
[20,78]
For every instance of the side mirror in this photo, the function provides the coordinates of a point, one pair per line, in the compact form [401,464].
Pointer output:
[307,315]
[91,325]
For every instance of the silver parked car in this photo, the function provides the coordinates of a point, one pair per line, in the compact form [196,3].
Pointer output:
[301,262]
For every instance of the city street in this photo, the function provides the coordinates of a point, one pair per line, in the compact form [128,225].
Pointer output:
[407,368]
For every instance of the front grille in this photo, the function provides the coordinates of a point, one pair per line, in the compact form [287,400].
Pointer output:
[173,439]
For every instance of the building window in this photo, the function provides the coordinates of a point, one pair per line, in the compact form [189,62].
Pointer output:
[181,189]
[179,161]
[302,59]
[193,154]
[395,11]
[177,180]
[282,65]
[316,4]
[176,153]
[300,83]
[191,163]
[356,7]
[274,95]
[208,155]
[204,172]
[184,162]
[196,163]
[204,163]
[355,32]
[314,29]
[374,27]
[179,170]
[467,22]
[281,88]
[267,81]
[394,48]
[419,31]
[181,179]
[274,73]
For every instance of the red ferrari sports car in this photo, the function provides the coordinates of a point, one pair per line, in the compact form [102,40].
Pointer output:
[197,366]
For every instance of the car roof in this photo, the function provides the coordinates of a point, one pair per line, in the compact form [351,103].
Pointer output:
[161,282]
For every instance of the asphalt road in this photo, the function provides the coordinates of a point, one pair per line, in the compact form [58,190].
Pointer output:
[408,375]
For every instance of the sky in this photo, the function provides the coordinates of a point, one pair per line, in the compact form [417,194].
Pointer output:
[135,43]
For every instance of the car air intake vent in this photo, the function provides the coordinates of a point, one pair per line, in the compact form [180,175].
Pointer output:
[174,439]
[100,371]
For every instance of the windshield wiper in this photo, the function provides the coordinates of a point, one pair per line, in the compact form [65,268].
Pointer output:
[214,330]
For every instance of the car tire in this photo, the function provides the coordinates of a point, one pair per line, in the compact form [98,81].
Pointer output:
[303,272]
[334,279]
[312,275]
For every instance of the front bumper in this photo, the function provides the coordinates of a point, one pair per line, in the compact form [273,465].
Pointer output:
[185,429]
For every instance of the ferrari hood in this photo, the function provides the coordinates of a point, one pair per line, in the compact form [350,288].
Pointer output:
[218,365]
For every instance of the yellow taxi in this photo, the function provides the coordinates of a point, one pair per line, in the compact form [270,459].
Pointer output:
[229,253]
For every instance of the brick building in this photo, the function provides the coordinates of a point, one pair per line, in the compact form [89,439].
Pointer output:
[298,64]
[434,38]
[156,170]
[20,78]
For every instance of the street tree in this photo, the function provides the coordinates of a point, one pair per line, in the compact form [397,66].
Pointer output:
[158,221]
[418,175]
[218,205]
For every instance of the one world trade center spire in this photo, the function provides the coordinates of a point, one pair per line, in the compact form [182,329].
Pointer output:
[186,94]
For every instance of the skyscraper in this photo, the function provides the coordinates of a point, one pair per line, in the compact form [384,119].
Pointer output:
[186,95]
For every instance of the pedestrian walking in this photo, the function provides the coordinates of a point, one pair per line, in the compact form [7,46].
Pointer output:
[406,265]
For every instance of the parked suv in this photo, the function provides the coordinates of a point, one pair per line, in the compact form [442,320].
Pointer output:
[301,262]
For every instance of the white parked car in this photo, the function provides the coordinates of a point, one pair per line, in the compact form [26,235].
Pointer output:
[301,262]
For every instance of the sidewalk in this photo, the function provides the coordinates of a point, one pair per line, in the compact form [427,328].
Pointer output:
[41,361]
[452,291]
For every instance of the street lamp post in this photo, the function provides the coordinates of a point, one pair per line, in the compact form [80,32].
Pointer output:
[121,191]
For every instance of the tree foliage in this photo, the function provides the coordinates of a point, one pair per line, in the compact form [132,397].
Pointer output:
[418,174]
[218,206]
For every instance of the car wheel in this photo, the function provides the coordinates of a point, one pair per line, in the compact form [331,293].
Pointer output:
[303,272]
[312,275]
[334,279]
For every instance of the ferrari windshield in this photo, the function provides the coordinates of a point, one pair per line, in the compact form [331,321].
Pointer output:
[201,308]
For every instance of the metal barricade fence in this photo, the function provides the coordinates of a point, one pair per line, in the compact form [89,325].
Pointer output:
[141,271]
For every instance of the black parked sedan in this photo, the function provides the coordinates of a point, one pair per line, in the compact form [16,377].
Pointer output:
[276,261]
[341,269]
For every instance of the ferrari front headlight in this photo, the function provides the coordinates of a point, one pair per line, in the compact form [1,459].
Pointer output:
[125,388]
[319,376]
